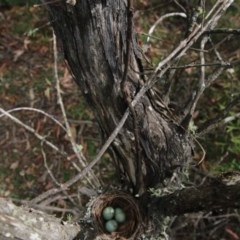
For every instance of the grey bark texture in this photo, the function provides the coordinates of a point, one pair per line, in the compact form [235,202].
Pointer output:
[29,224]
[210,196]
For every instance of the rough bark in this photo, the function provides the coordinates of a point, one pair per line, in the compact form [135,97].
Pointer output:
[94,39]
[25,223]
[207,197]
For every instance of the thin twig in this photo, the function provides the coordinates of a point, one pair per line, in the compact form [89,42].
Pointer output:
[36,110]
[213,76]
[56,198]
[222,64]
[153,27]
[95,183]
[218,55]
[60,101]
[31,130]
[222,118]
[55,209]
[168,15]
[202,83]
[216,122]
[46,3]
[47,167]
[53,178]
[46,195]
[223,31]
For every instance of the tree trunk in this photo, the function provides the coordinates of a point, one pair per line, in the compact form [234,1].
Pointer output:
[95,38]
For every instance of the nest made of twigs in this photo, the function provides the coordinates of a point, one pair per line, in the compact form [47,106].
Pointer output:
[118,199]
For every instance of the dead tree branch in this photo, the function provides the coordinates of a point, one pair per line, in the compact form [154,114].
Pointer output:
[24,223]
[213,195]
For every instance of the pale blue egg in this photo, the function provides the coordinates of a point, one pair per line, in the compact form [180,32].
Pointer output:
[111,226]
[119,215]
[108,213]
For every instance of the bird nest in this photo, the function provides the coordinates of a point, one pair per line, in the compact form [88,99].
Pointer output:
[118,199]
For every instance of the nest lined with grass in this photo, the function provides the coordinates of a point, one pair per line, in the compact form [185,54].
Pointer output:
[118,199]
